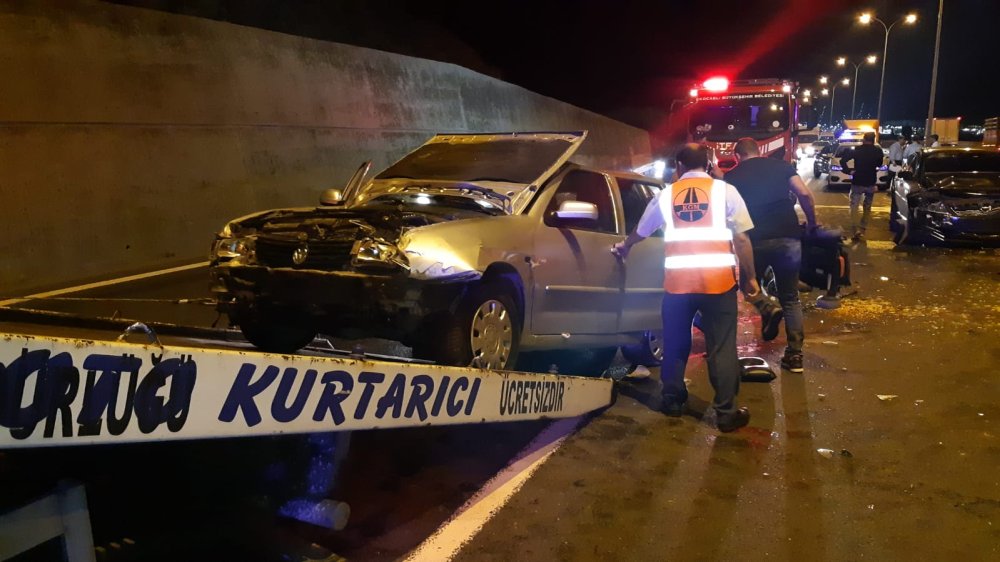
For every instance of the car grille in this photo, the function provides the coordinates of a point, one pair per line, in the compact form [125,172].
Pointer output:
[323,254]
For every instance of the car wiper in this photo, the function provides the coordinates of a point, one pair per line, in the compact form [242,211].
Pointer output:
[505,180]
[484,190]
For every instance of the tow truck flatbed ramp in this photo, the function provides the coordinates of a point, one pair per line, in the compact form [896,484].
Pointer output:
[68,386]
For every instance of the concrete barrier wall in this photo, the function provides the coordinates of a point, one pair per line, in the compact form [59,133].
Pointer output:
[128,136]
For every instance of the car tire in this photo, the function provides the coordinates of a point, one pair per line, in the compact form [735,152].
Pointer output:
[816,172]
[484,332]
[901,235]
[648,352]
[894,225]
[277,330]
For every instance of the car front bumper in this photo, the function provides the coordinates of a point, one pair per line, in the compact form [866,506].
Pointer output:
[380,305]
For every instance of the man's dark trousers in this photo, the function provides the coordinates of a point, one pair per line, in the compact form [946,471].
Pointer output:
[718,323]
[784,257]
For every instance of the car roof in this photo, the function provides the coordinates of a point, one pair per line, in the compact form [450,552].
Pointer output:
[616,173]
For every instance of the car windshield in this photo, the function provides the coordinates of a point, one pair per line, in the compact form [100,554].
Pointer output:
[959,162]
[434,203]
[740,115]
[510,160]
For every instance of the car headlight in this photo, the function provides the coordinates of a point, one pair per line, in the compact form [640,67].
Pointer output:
[229,248]
[939,208]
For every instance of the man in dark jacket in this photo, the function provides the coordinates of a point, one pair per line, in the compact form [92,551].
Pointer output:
[770,188]
[867,159]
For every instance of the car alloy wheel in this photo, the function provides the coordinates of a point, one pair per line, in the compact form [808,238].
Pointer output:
[491,336]
[648,352]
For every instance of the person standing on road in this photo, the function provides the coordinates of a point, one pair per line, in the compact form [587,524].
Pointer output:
[770,187]
[705,223]
[867,160]
[911,149]
[896,150]
[896,155]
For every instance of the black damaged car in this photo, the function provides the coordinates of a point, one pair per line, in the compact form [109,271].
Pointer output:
[948,195]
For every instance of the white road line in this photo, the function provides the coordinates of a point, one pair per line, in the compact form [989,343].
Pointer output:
[99,284]
[446,542]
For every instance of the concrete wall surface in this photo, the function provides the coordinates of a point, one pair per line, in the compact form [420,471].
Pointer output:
[129,136]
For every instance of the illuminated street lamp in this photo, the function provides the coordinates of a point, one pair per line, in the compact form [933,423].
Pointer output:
[822,79]
[833,95]
[866,19]
[842,61]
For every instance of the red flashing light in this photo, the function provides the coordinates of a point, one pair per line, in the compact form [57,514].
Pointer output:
[716,84]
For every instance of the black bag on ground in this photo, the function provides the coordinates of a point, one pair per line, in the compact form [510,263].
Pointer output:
[825,262]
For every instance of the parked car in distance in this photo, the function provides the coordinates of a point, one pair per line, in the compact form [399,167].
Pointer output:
[948,195]
[470,249]
[838,177]
[821,163]
[812,149]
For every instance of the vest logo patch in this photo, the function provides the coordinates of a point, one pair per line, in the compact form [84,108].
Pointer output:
[691,205]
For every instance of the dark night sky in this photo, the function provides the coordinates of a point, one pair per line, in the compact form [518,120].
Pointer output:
[630,58]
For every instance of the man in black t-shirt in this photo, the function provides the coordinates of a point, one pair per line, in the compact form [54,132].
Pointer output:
[867,160]
[770,188]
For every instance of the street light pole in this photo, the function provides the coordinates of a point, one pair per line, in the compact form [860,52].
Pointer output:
[842,61]
[881,83]
[937,52]
[867,18]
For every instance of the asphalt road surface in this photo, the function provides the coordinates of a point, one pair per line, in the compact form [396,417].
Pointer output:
[886,447]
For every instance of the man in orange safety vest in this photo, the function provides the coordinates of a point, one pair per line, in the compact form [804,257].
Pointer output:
[704,222]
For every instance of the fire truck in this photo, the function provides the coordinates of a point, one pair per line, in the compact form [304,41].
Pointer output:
[722,112]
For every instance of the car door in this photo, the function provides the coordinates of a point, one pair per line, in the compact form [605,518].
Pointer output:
[644,265]
[577,282]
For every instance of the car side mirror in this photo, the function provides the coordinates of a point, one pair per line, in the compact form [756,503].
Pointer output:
[577,210]
[332,197]
[906,175]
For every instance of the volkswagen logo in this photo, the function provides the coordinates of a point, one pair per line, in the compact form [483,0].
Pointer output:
[300,255]
[691,204]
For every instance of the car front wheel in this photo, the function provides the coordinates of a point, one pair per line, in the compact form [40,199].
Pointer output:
[484,332]
[902,232]
[648,352]
[277,330]
[894,225]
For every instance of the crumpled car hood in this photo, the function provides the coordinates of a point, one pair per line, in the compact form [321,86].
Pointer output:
[357,240]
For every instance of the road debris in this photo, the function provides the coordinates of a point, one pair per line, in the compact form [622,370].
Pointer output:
[828,342]
[826,453]
[887,397]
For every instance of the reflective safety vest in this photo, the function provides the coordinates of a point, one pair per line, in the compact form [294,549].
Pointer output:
[699,245]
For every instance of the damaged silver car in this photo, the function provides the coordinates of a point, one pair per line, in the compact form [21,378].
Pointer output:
[470,249]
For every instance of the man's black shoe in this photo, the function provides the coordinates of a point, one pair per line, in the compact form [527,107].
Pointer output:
[733,421]
[770,320]
[792,362]
[672,409]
